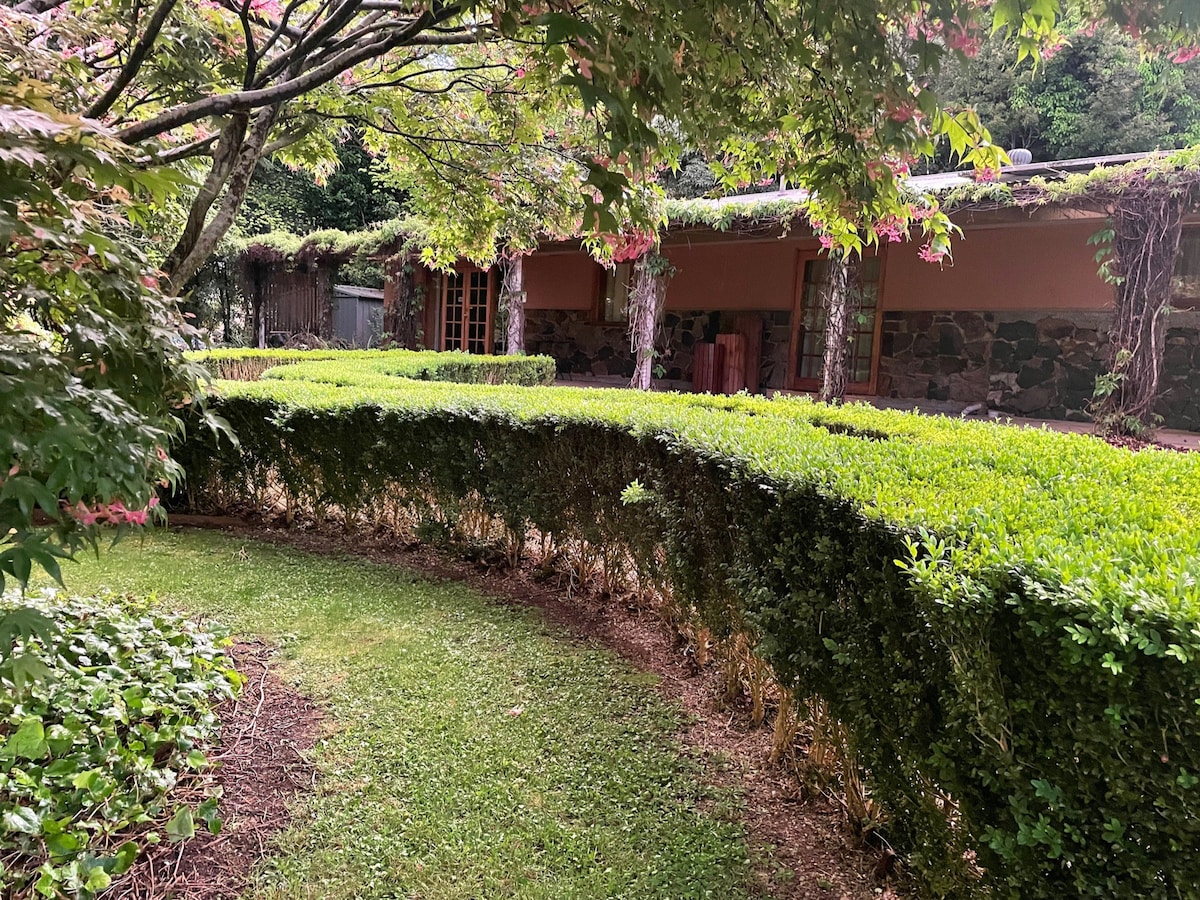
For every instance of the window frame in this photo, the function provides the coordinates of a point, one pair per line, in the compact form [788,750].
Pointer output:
[604,277]
[794,381]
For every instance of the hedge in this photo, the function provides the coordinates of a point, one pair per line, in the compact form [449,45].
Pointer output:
[1006,620]
[423,365]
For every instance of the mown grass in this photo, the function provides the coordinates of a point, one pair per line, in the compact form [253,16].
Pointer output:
[473,751]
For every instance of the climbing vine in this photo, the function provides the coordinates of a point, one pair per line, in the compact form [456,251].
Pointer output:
[651,273]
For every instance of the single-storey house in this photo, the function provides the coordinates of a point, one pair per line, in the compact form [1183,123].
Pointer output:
[1016,321]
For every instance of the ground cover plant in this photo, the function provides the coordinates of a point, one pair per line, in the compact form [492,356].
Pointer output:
[120,713]
[472,751]
[1006,621]
[386,365]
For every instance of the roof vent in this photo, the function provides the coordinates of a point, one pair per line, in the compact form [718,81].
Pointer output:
[1020,156]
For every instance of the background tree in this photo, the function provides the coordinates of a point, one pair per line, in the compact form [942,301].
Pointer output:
[354,196]
[1095,95]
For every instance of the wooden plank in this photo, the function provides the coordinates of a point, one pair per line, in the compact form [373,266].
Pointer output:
[750,326]
[705,366]
[731,374]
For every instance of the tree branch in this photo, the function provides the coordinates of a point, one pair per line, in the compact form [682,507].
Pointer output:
[231,140]
[240,173]
[286,90]
[33,7]
[186,151]
[134,64]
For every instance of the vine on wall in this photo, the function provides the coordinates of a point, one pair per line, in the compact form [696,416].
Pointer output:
[651,273]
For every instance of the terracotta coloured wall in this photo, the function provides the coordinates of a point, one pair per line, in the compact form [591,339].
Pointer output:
[1031,266]
[560,281]
[726,276]
[733,276]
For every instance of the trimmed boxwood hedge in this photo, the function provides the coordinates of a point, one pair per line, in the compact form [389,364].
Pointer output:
[1007,620]
[424,365]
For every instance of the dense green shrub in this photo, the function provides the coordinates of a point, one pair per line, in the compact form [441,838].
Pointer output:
[89,752]
[1007,620]
[423,365]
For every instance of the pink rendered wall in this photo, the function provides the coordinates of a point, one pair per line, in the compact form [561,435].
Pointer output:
[734,275]
[1028,266]
[560,281]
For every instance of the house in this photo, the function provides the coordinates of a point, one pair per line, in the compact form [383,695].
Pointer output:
[1017,321]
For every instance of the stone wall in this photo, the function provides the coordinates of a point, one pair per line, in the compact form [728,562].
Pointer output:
[1043,366]
[583,347]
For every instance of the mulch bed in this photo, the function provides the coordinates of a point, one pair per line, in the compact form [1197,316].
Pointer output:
[265,736]
[813,856]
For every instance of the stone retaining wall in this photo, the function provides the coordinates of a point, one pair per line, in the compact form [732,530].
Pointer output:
[1031,365]
[583,347]
[1040,365]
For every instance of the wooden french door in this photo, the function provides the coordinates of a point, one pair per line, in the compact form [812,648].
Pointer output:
[466,320]
[808,326]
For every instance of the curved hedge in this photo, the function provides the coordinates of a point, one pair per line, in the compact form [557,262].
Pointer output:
[1008,621]
[423,365]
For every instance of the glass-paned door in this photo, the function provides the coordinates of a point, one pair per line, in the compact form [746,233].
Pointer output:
[808,333]
[477,317]
[467,311]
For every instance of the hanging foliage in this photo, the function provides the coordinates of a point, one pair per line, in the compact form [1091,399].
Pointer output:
[1146,227]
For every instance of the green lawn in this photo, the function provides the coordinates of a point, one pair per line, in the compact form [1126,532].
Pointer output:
[430,788]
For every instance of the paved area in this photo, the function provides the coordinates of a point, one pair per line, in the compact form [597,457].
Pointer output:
[1171,437]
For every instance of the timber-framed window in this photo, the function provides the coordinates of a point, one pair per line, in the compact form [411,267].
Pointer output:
[808,326]
[1185,285]
[612,304]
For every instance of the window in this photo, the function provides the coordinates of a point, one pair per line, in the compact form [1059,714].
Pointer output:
[614,298]
[809,337]
[1185,286]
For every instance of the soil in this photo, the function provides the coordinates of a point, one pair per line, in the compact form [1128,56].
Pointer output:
[265,737]
[811,853]
[1129,442]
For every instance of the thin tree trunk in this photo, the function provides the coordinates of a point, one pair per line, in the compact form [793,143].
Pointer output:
[226,294]
[512,298]
[645,310]
[1146,232]
[258,277]
[840,299]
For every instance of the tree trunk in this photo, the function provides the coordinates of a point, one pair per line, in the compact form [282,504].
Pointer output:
[400,303]
[258,278]
[645,310]
[841,300]
[227,295]
[225,155]
[1146,231]
[194,246]
[512,301]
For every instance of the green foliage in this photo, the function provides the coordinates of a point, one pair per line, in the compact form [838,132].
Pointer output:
[472,750]
[693,178]
[1096,95]
[92,367]
[989,610]
[352,198]
[380,368]
[90,753]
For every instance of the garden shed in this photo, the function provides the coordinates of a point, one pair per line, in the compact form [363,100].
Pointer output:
[357,314]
